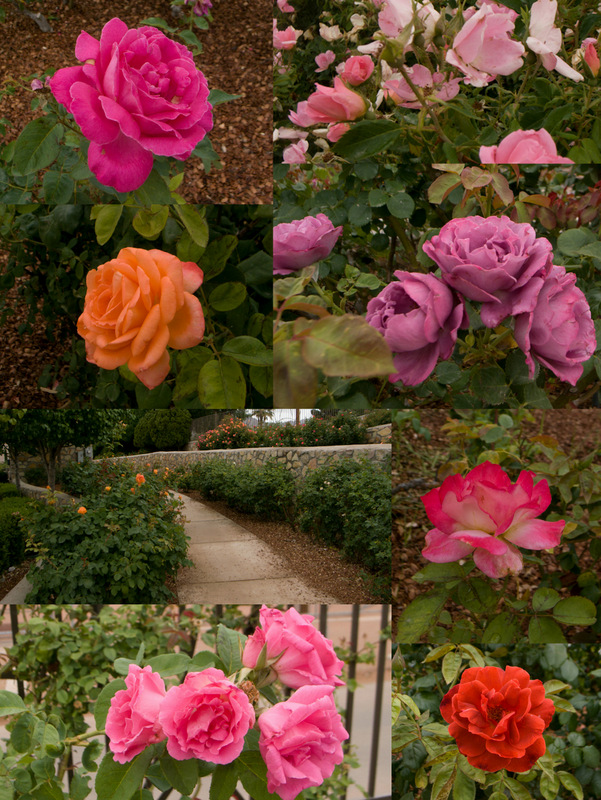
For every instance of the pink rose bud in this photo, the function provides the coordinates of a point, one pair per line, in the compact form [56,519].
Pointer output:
[284,40]
[302,654]
[206,717]
[36,84]
[494,261]
[303,242]
[559,332]
[138,93]
[356,69]
[523,147]
[489,517]
[323,60]
[330,104]
[301,741]
[419,317]
[592,58]
[296,153]
[132,722]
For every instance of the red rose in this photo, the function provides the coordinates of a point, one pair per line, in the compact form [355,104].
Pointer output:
[497,718]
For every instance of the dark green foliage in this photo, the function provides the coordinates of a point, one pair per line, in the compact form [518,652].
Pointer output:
[12,540]
[8,490]
[36,476]
[3,473]
[163,429]
[380,416]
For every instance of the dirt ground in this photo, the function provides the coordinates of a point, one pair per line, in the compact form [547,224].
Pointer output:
[236,58]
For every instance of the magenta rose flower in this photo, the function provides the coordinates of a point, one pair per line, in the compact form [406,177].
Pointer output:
[483,48]
[419,317]
[206,717]
[497,262]
[301,740]
[303,242]
[523,147]
[132,722]
[489,517]
[335,103]
[138,93]
[301,654]
[559,332]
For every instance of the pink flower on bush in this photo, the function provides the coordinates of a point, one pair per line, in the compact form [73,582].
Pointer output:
[138,93]
[306,656]
[523,147]
[301,740]
[396,17]
[419,317]
[285,6]
[206,717]
[356,69]
[433,86]
[559,332]
[336,131]
[329,104]
[303,242]
[132,722]
[286,39]
[483,48]
[494,261]
[591,56]
[545,38]
[323,60]
[296,153]
[489,517]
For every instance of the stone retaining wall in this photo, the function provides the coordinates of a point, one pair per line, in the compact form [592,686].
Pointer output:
[299,460]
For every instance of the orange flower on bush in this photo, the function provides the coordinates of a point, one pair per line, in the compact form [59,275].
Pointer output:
[497,717]
[140,479]
[136,305]
[82,510]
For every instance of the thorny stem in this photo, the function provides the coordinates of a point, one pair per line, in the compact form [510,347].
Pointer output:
[428,108]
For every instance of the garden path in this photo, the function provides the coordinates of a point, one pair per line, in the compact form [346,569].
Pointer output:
[231,565]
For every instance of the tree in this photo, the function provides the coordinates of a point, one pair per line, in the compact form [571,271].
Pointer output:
[12,439]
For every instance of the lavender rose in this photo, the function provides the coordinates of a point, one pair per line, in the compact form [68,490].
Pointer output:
[497,262]
[419,316]
[137,93]
[303,242]
[559,332]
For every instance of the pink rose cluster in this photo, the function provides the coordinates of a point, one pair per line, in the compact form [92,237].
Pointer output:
[486,516]
[207,716]
[136,94]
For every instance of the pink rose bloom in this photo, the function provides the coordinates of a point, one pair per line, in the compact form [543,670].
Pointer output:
[356,69]
[419,317]
[523,147]
[132,722]
[284,40]
[296,153]
[206,717]
[300,741]
[306,656]
[138,93]
[329,104]
[433,85]
[489,517]
[336,131]
[559,332]
[303,242]
[285,6]
[545,38]
[494,261]
[483,48]
[591,56]
[323,60]
[397,15]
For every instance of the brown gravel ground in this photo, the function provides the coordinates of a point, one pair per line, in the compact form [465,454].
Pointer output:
[236,58]
[10,579]
[323,568]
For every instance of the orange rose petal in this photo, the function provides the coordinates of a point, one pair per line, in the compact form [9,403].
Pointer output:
[171,267]
[109,359]
[145,289]
[147,331]
[154,375]
[193,276]
[168,301]
[188,325]
[155,348]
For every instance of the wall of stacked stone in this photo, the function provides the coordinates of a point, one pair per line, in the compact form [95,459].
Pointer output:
[299,460]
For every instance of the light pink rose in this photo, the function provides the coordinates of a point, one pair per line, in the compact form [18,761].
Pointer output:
[397,15]
[303,242]
[419,317]
[286,39]
[132,722]
[301,741]
[336,131]
[296,153]
[329,104]
[489,517]
[523,147]
[138,93]
[545,38]
[591,56]
[285,6]
[494,261]
[433,85]
[206,717]
[356,69]
[323,60]
[559,332]
[307,657]
[483,48]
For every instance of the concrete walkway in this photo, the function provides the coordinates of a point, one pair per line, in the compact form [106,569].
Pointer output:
[231,565]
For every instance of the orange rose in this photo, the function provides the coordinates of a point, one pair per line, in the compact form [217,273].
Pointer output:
[138,304]
[82,510]
[140,479]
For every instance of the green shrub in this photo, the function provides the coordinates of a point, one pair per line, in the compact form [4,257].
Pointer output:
[163,429]
[8,490]
[379,416]
[36,476]
[231,434]
[12,539]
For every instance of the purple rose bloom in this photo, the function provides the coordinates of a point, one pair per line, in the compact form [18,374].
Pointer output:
[559,332]
[303,242]
[497,262]
[419,317]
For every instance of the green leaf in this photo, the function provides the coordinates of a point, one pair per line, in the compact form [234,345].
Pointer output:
[295,381]
[257,269]
[440,573]
[401,205]
[544,599]
[253,774]
[205,151]
[261,379]
[154,190]
[549,786]
[149,222]
[10,703]
[517,789]
[571,784]
[189,362]
[477,595]
[366,170]
[451,664]
[544,630]
[368,138]
[442,187]
[575,611]
[224,781]
[182,775]
[359,215]
[230,645]
[91,753]
[106,217]
[169,664]
[215,257]
[248,350]
[420,615]
[190,39]
[346,346]
[157,22]
[195,224]
[103,701]
[217,96]
[38,145]
[570,241]
[489,384]
[377,198]
[464,788]
[227,296]
[221,384]
[500,630]
[159,397]
[58,188]
[119,781]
